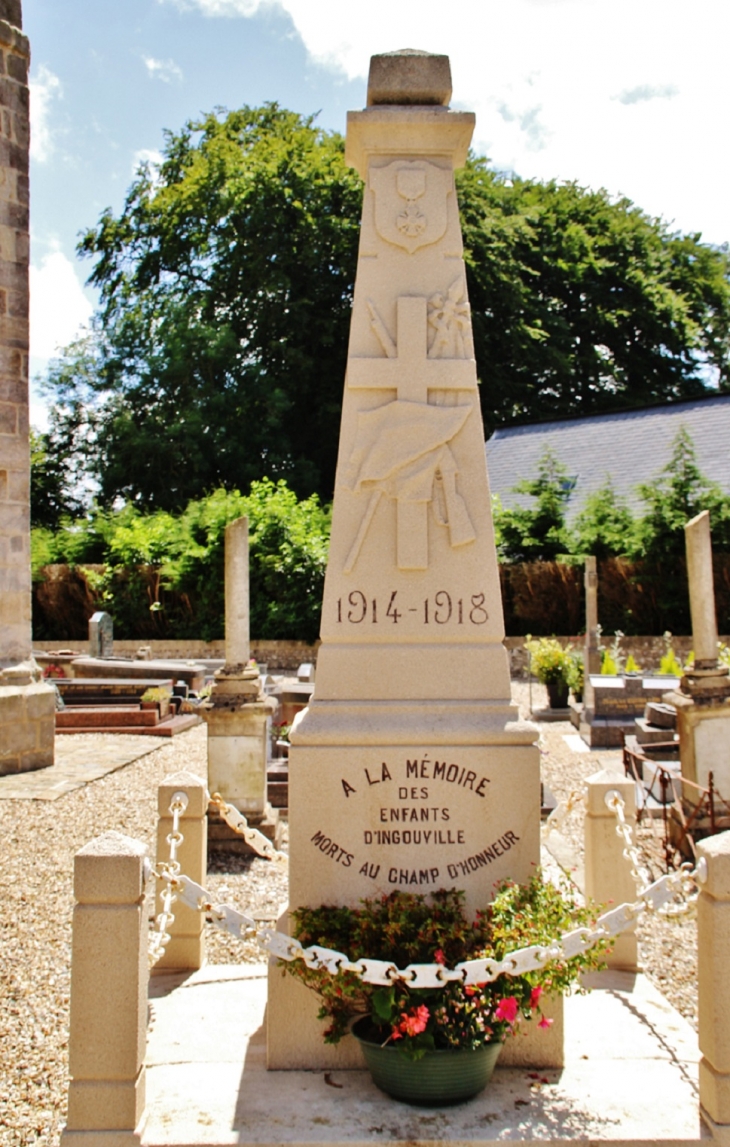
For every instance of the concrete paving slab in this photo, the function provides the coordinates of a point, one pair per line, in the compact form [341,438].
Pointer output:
[630,1078]
[79,759]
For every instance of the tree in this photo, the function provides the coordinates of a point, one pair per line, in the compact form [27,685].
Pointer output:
[581,304]
[218,354]
[605,526]
[537,533]
[679,493]
[51,499]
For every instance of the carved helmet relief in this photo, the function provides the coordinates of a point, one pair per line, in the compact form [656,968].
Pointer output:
[410,202]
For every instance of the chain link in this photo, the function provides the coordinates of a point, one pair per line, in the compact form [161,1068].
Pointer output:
[255,839]
[671,895]
[676,893]
[168,871]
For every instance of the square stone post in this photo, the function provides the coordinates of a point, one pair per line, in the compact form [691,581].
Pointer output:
[608,878]
[186,946]
[109,977]
[713,960]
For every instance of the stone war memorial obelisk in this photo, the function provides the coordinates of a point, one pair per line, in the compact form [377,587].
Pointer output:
[410,769]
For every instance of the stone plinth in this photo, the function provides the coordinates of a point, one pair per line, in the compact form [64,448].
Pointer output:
[237,714]
[410,769]
[27,720]
[616,702]
[704,743]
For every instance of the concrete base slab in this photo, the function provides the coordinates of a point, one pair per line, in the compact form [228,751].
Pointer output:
[630,1078]
[78,761]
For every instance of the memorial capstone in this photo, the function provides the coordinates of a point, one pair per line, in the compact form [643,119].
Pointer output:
[410,769]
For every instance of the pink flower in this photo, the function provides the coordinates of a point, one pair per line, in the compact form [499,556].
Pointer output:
[507,1009]
[545,1022]
[535,996]
[439,956]
[414,1022]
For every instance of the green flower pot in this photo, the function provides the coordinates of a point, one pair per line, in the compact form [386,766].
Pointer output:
[439,1078]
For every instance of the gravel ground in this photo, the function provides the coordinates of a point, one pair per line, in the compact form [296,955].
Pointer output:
[40,840]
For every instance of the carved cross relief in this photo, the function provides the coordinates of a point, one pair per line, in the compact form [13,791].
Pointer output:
[401,448]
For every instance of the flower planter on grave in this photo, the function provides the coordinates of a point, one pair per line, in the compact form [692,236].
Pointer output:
[557,694]
[439,1078]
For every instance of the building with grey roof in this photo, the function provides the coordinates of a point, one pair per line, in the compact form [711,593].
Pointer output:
[629,447]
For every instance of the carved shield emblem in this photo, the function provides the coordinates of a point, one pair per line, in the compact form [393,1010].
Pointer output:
[410,202]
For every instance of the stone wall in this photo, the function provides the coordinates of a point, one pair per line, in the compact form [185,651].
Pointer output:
[276,655]
[27,725]
[15,582]
[289,655]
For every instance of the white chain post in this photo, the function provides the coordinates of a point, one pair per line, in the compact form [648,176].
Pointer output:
[608,878]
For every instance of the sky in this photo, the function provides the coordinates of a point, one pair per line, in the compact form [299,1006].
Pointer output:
[629,95]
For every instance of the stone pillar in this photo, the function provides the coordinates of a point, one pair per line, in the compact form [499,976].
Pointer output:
[608,878]
[236,593]
[109,977]
[713,960]
[591,653]
[238,713]
[701,591]
[412,714]
[186,946]
[703,698]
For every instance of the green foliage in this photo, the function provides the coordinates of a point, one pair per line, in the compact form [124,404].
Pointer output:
[537,533]
[576,674]
[609,667]
[632,665]
[549,661]
[218,353]
[50,495]
[604,526]
[404,928]
[583,304]
[288,541]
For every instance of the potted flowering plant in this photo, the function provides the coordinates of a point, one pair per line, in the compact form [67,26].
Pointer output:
[435,1045]
[552,665]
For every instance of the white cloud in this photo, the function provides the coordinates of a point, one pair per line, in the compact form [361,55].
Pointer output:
[58,305]
[165,70]
[222,7]
[146,155]
[45,88]
[648,92]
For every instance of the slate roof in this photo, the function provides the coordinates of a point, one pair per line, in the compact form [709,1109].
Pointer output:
[630,447]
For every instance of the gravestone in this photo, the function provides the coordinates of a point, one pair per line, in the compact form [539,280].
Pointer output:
[101,635]
[238,713]
[591,652]
[410,769]
[703,699]
[27,704]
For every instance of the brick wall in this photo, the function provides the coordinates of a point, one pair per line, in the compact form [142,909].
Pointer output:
[15,583]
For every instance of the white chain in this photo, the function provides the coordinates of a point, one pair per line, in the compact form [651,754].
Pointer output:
[661,896]
[683,883]
[257,841]
[561,812]
[169,871]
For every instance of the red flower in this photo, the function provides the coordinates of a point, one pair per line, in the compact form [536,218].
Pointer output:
[545,1022]
[439,956]
[507,1009]
[535,996]
[412,1022]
